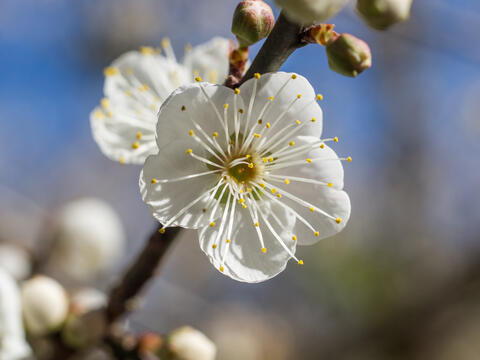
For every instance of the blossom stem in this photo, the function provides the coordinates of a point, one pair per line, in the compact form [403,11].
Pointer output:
[140,272]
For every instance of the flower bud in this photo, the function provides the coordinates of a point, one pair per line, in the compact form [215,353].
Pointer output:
[307,12]
[187,343]
[252,21]
[381,14]
[45,305]
[348,55]
[89,239]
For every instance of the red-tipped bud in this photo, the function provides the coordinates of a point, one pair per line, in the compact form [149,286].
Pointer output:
[348,55]
[252,21]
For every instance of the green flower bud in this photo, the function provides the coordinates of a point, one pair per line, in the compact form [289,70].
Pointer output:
[252,21]
[307,12]
[348,55]
[381,14]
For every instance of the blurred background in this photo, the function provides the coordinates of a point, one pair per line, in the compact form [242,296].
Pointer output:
[401,282]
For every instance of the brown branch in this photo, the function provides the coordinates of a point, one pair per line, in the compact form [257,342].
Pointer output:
[139,272]
[284,39]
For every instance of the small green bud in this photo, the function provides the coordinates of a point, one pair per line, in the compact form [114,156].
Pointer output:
[308,12]
[348,55]
[381,14]
[252,21]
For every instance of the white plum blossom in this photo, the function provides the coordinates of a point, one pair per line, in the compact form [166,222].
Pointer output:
[13,345]
[187,343]
[45,305]
[136,85]
[15,260]
[247,168]
[89,239]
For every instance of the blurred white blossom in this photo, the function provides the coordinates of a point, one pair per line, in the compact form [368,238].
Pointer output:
[45,305]
[187,343]
[15,260]
[13,345]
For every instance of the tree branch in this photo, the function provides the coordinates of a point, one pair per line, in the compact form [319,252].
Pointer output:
[284,39]
[139,272]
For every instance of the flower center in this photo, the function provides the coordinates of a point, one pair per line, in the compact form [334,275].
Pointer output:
[244,169]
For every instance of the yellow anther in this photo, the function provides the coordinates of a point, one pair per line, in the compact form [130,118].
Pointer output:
[294,76]
[271,98]
[299,96]
[262,185]
[265,160]
[110,71]
[128,93]
[154,181]
[313,119]
[249,190]
[260,121]
[153,107]
[165,42]
[244,206]
[268,125]
[227,241]
[240,191]
[99,114]
[162,231]
[264,250]
[237,91]
[309,160]
[294,238]
[109,114]
[191,133]
[143,87]
[287,181]
[291,143]
[105,103]
[322,146]
[349,159]
[251,165]
[215,134]
[298,122]
[300,262]
[121,160]
[189,151]
[279,195]
[188,47]
[271,159]
[212,76]
[316,233]
[273,190]
[198,79]
[248,156]
[221,268]
[241,200]
[338,220]
[311,208]
[225,106]
[319,97]
[212,224]
[257,224]
[329,184]
[256,75]
[258,136]
[135,145]
[183,108]
[335,139]
[147,50]
[214,246]
[240,111]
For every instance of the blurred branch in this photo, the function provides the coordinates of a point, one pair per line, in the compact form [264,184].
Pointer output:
[284,39]
[139,272]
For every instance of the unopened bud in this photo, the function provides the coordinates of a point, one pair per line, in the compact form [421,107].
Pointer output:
[307,12]
[348,55]
[381,14]
[45,305]
[252,21]
[187,343]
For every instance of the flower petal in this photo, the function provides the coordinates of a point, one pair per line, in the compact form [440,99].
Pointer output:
[293,99]
[201,104]
[165,200]
[209,60]
[245,260]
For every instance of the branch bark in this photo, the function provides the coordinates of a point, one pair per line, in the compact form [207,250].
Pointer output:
[139,272]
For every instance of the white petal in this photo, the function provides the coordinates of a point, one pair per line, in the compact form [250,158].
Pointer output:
[245,261]
[205,107]
[167,199]
[331,200]
[209,60]
[286,108]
